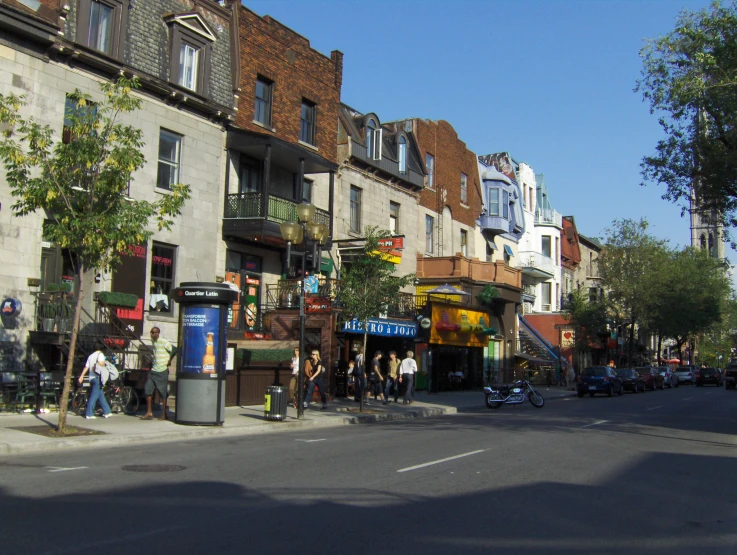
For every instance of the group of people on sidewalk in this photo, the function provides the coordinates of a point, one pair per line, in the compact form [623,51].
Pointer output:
[401,373]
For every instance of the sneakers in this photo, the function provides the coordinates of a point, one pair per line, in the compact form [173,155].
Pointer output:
[90,417]
[324,406]
[108,415]
[304,405]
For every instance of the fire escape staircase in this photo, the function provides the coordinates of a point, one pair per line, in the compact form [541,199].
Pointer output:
[532,343]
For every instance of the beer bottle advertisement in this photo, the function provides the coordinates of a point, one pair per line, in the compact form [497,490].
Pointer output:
[200,340]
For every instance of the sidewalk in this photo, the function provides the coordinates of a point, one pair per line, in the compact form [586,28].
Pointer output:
[239,421]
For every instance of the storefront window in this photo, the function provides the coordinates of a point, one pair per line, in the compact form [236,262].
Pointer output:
[162,276]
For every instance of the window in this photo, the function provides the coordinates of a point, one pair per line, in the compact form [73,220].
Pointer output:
[101,24]
[493,202]
[170,147]
[402,154]
[546,290]
[464,242]
[373,140]
[306,191]
[262,110]
[80,113]
[464,188]
[189,56]
[505,205]
[307,122]
[430,165]
[162,274]
[557,250]
[250,178]
[355,223]
[429,228]
[393,218]
[546,245]
[593,294]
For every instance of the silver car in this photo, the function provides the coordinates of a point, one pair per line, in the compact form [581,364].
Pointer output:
[686,374]
[670,378]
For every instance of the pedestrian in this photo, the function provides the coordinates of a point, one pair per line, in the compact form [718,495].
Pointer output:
[158,376]
[316,373]
[392,377]
[407,371]
[571,378]
[375,378]
[351,381]
[360,374]
[100,372]
[295,378]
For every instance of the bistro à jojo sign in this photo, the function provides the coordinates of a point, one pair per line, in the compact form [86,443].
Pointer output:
[383,327]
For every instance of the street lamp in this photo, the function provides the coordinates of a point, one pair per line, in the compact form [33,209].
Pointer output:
[294,233]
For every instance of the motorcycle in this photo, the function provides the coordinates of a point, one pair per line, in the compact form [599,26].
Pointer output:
[514,394]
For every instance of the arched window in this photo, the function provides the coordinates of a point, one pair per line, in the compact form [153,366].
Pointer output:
[373,140]
[402,154]
[711,244]
[703,241]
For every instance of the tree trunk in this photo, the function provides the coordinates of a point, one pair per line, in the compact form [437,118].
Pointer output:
[660,347]
[631,344]
[64,401]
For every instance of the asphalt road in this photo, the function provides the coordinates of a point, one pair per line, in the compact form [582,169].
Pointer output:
[646,473]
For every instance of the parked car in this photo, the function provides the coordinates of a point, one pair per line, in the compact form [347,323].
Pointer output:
[686,374]
[653,379]
[599,379]
[631,380]
[708,375]
[730,375]
[670,379]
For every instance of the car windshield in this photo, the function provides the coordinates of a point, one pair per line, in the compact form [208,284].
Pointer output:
[708,371]
[600,372]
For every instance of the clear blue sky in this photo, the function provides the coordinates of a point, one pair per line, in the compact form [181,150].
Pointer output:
[549,81]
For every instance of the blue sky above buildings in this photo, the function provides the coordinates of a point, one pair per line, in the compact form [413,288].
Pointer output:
[549,81]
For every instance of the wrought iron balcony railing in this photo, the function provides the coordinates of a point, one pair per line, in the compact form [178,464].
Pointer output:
[250,205]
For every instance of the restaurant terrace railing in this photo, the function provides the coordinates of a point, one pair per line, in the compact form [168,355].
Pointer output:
[249,205]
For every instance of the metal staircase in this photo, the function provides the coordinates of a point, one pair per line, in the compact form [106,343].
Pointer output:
[531,342]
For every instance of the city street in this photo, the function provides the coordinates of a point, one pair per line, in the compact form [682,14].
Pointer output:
[645,473]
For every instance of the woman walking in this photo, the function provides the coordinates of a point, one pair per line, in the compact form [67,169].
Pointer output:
[407,370]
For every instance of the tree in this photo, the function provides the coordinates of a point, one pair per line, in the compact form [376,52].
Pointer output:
[367,285]
[589,320]
[82,184]
[689,77]
[690,296]
[628,262]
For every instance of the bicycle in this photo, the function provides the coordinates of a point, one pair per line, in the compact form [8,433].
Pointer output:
[121,398]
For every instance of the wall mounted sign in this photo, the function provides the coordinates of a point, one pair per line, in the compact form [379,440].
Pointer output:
[10,307]
[318,305]
[383,327]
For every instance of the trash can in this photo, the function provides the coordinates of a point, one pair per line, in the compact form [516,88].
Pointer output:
[275,402]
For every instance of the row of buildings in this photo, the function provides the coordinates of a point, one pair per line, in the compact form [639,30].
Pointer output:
[243,110]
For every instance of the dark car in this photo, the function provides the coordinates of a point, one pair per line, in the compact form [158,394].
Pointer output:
[599,379]
[730,375]
[709,375]
[653,379]
[631,380]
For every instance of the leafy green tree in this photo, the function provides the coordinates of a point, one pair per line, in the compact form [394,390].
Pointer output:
[628,263]
[589,320]
[689,78]
[82,183]
[367,284]
[690,296]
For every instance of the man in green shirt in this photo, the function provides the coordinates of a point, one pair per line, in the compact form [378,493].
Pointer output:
[158,377]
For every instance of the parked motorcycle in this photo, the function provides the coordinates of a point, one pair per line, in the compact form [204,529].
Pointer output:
[514,394]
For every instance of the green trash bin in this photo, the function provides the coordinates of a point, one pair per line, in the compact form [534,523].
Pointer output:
[275,402]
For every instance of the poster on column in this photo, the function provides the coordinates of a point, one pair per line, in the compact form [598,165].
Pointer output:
[200,339]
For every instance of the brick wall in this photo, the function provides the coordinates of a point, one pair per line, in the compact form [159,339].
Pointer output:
[271,50]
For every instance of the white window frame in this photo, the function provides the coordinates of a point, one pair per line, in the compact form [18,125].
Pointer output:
[188,64]
[464,243]
[355,209]
[394,217]
[464,188]
[430,166]
[429,233]
[402,154]
[494,202]
[175,163]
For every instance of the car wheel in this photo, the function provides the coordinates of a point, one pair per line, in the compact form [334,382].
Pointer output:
[580,394]
[592,393]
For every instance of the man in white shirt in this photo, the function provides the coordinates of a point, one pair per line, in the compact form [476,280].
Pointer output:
[407,370]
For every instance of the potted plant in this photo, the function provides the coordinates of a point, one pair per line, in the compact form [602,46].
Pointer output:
[64,313]
[48,313]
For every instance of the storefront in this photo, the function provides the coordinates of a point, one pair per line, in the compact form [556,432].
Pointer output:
[459,346]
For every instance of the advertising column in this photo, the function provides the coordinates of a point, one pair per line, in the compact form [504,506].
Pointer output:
[202,357]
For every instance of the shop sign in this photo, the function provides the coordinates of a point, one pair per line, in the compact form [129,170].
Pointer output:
[391,243]
[567,338]
[11,307]
[318,305]
[383,327]
[459,326]
[425,323]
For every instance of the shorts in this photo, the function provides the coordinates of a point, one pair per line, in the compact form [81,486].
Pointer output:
[158,381]
[375,388]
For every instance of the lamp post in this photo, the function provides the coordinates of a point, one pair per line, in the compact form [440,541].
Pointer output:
[295,233]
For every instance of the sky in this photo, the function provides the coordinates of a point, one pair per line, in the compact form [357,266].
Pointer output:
[549,81]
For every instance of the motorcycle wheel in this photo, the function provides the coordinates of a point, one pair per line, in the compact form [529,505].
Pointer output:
[536,399]
[493,401]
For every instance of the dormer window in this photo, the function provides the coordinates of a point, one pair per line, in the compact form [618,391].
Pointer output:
[402,154]
[373,139]
[101,25]
[191,45]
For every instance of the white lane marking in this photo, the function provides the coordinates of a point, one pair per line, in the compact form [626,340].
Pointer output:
[89,545]
[309,440]
[653,408]
[595,423]
[63,469]
[441,461]
[687,398]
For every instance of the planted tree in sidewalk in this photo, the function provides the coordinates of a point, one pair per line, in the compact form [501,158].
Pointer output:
[81,184]
[589,320]
[368,284]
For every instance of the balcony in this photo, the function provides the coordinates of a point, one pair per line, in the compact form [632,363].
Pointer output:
[536,265]
[244,216]
[548,217]
[391,167]
[495,225]
[455,267]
